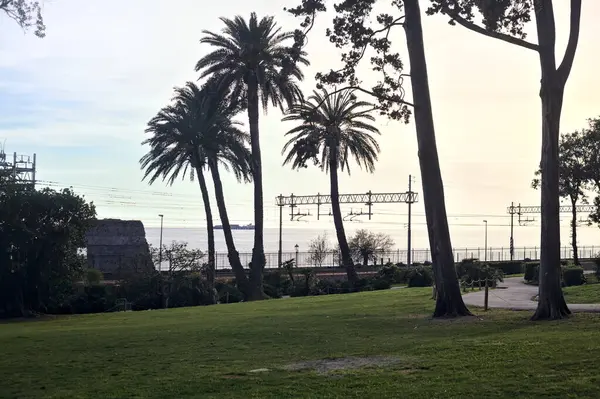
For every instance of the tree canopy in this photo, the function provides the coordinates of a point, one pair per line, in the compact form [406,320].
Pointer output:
[26,13]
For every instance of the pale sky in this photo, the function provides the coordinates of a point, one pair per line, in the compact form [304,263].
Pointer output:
[81,97]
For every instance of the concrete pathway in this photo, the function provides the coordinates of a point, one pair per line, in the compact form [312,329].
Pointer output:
[514,294]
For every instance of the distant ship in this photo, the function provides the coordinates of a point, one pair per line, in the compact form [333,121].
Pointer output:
[236,227]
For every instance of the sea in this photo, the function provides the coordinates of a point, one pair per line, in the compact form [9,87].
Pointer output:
[468,243]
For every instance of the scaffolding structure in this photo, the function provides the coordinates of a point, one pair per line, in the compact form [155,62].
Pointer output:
[20,169]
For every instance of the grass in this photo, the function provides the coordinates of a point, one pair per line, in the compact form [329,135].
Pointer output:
[587,293]
[207,352]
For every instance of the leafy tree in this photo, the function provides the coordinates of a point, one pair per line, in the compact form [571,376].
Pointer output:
[318,248]
[331,130]
[182,263]
[197,132]
[27,13]
[41,233]
[355,30]
[572,178]
[591,146]
[365,245]
[252,59]
[505,20]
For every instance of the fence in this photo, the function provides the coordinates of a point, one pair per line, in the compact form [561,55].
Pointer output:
[332,259]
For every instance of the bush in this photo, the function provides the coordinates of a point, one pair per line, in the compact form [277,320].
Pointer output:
[380,284]
[532,272]
[229,293]
[394,274]
[421,276]
[509,267]
[472,272]
[93,277]
[573,276]
[271,291]
[597,262]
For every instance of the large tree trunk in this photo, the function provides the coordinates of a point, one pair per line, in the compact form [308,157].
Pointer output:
[574,231]
[449,302]
[551,303]
[210,233]
[232,253]
[337,218]
[258,251]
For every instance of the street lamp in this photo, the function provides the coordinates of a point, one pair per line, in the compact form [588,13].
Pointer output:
[485,256]
[296,246]
[160,243]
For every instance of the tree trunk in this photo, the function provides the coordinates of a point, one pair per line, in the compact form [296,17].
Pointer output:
[574,231]
[551,303]
[337,218]
[258,251]
[210,233]
[232,253]
[449,302]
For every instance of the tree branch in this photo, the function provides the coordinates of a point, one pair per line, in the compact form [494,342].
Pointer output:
[567,63]
[369,92]
[495,35]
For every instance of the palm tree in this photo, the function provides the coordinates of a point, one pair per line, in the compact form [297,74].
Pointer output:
[197,132]
[333,128]
[252,59]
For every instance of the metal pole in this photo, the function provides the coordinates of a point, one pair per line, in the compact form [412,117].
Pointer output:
[485,255]
[409,244]
[280,253]
[512,245]
[160,244]
[33,171]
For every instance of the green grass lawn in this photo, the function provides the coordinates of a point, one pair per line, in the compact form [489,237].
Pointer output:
[207,352]
[587,293]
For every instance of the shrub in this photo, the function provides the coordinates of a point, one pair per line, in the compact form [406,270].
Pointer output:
[532,272]
[272,291]
[472,272]
[597,262]
[420,276]
[393,274]
[229,293]
[93,277]
[509,267]
[380,284]
[326,287]
[573,276]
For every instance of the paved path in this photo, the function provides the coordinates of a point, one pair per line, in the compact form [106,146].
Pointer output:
[517,296]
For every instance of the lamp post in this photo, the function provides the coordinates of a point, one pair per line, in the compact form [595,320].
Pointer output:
[485,245]
[160,243]
[296,246]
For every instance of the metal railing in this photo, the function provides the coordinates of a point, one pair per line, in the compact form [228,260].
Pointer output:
[332,259]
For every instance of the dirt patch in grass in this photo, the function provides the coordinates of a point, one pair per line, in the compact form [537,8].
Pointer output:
[325,366]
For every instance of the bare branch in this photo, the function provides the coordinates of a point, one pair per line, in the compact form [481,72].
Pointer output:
[496,35]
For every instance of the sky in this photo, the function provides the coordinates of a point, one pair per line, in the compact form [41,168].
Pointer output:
[81,98]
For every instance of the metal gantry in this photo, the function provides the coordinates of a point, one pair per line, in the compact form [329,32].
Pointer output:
[522,210]
[369,199]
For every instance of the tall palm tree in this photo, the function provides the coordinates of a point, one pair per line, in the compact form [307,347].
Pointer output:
[197,132]
[333,128]
[252,59]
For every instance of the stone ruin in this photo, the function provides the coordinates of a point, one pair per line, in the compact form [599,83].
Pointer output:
[116,246]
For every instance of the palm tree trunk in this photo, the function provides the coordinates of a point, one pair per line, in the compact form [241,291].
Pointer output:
[449,302]
[232,253]
[258,251]
[551,302]
[337,218]
[574,230]
[209,231]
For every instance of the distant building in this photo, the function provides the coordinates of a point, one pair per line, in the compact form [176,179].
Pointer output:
[117,246]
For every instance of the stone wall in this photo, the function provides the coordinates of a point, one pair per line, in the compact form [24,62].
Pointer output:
[116,246]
